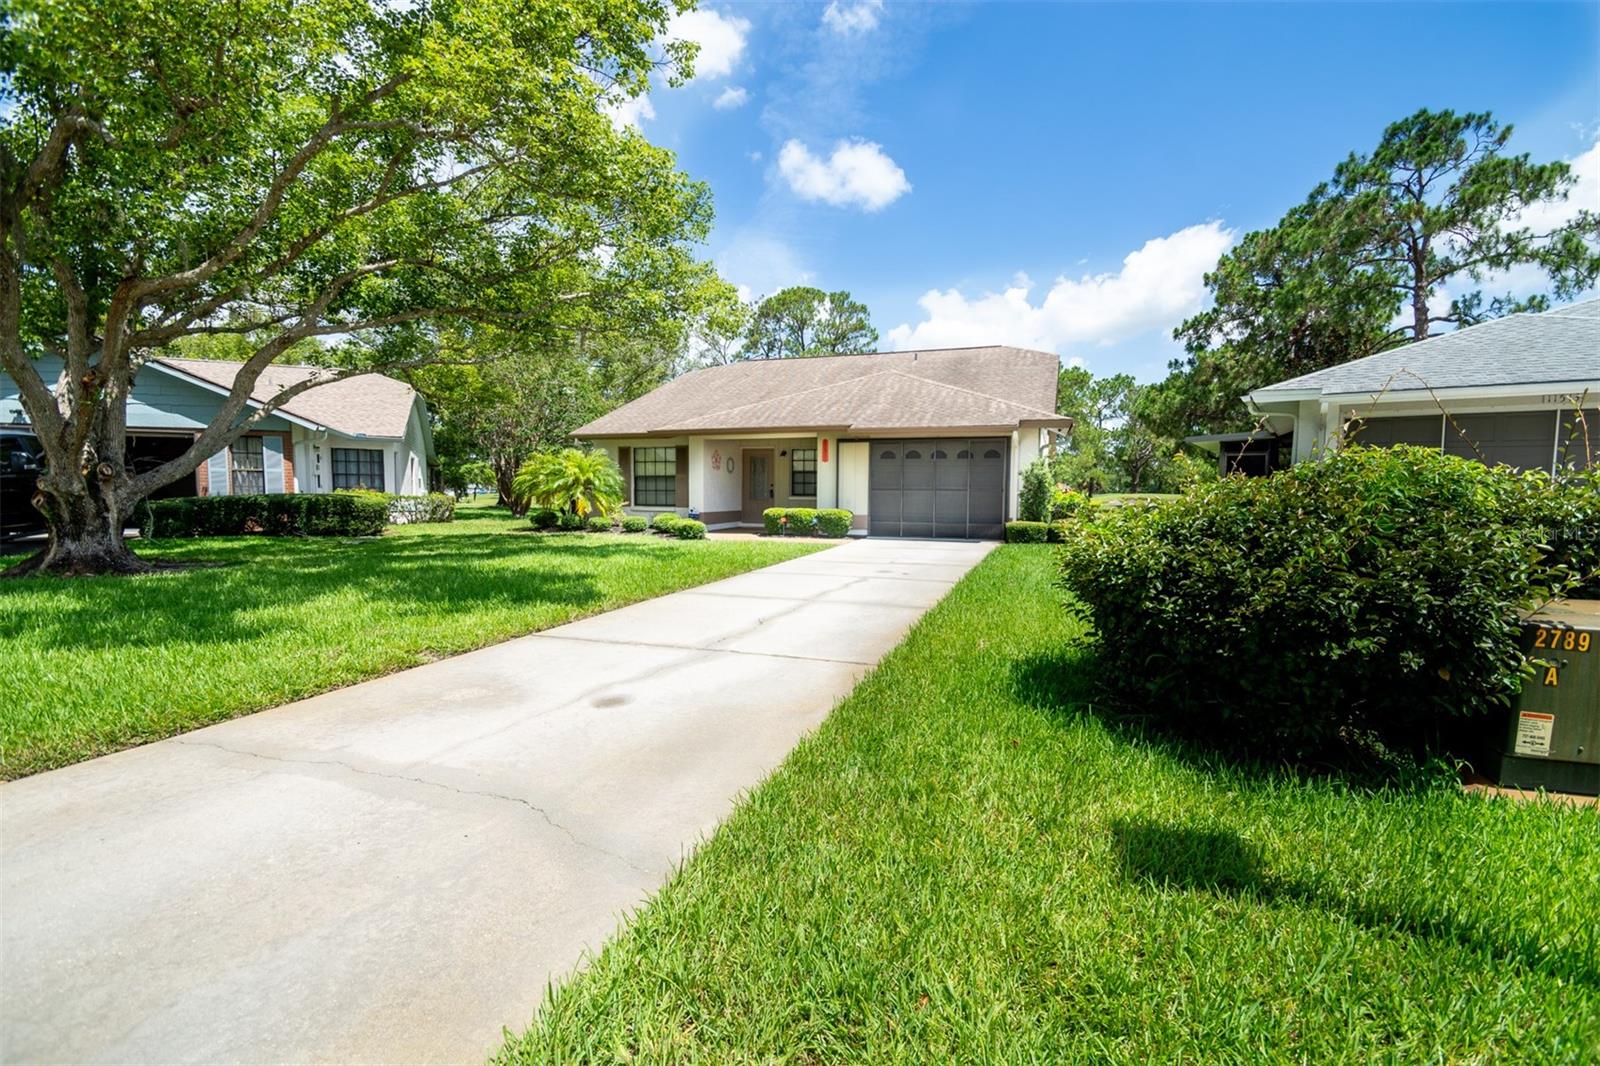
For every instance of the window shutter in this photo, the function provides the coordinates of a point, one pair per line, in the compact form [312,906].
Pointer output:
[683,476]
[272,462]
[625,464]
[217,474]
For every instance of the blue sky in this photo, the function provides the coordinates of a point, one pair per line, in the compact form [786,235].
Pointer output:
[1060,175]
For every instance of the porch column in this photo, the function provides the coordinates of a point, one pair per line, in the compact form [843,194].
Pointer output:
[827,471]
[697,473]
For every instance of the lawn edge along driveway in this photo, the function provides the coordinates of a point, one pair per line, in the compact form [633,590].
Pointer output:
[96,665]
[394,871]
[967,863]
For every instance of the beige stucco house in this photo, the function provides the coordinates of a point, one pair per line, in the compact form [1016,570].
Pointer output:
[921,444]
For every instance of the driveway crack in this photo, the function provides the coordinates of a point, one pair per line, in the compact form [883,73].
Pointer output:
[484,793]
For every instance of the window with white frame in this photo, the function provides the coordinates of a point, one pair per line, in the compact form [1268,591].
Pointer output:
[803,472]
[655,477]
[247,467]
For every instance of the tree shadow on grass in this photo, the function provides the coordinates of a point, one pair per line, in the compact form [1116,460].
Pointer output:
[1220,862]
[1068,684]
[232,599]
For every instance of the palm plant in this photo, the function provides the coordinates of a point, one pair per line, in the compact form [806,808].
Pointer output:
[573,481]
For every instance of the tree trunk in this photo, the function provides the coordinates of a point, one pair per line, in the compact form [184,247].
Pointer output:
[85,536]
[505,471]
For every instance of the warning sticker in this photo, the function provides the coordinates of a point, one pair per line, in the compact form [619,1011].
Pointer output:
[1533,732]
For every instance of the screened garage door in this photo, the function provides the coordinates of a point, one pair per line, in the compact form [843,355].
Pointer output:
[937,488]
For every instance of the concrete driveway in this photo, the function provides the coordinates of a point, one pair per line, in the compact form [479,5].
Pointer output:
[393,872]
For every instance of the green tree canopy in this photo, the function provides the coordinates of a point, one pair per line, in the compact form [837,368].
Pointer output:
[802,321]
[289,171]
[1362,265]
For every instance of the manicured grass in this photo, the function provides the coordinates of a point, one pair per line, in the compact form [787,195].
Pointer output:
[93,665]
[966,864]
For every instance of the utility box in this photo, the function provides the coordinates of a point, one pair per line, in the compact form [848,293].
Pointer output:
[1552,740]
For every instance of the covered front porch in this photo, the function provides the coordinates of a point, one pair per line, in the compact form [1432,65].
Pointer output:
[728,481]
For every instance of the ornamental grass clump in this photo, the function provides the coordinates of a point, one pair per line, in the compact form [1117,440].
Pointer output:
[1361,610]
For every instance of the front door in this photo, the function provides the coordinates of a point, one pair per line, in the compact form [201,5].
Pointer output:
[758,494]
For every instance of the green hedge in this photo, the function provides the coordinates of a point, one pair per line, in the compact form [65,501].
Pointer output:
[634,524]
[689,529]
[407,510]
[806,522]
[543,518]
[337,514]
[1027,532]
[665,521]
[434,507]
[834,522]
[1361,610]
[598,524]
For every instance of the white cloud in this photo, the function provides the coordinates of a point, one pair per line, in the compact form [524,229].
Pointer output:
[631,111]
[753,156]
[1158,286]
[721,39]
[857,173]
[733,96]
[847,19]
[759,263]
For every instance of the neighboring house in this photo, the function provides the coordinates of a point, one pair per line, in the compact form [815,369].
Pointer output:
[368,431]
[1523,390]
[916,444]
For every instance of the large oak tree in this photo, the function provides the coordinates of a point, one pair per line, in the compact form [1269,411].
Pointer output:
[354,173]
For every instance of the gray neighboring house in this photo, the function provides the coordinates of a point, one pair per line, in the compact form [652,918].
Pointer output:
[371,430]
[1523,390]
[916,444]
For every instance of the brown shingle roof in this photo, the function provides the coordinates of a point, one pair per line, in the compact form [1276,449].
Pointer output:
[367,406]
[949,388]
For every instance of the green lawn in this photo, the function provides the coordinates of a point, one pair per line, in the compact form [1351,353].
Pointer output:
[93,665]
[965,864]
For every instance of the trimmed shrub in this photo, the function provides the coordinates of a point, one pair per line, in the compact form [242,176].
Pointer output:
[806,522]
[336,514]
[598,524]
[568,522]
[802,522]
[543,518]
[434,507]
[1064,503]
[1056,532]
[834,522]
[1361,610]
[665,521]
[1033,503]
[634,524]
[689,529]
[1027,532]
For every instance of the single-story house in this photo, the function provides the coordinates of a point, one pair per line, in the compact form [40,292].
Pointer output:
[369,431]
[915,444]
[1523,390]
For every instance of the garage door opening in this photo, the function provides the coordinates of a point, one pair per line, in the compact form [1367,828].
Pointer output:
[937,488]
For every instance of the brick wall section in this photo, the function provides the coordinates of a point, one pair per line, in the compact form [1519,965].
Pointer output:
[202,483]
[289,484]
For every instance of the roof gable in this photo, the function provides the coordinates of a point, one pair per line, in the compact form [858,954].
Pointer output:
[948,388]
